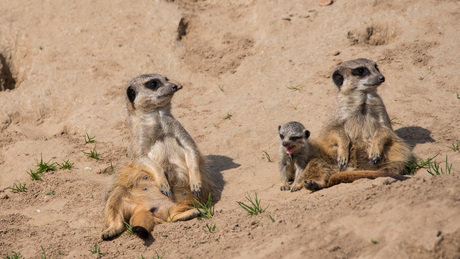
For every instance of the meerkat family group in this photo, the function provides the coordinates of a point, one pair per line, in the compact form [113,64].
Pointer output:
[167,176]
[356,142]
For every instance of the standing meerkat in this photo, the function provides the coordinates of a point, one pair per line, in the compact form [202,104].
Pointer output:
[358,135]
[294,154]
[158,140]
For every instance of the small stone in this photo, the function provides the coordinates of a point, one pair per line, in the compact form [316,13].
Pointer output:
[324,2]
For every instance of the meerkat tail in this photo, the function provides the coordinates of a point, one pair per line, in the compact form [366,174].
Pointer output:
[351,176]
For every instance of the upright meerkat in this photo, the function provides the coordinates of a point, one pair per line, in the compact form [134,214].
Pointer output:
[358,135]
[158,140]
[294,154]
[164,161]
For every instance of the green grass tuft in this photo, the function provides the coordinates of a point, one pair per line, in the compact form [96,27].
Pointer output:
[65,165]
[210,229]
[92,153]
[254,208]
[18,188]
[434,169]
[89,139]
[206,209]
[414,166]
[14,255]
[96,250]
[455,146]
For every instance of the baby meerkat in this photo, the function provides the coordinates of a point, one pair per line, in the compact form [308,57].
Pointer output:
[158,141]
[358,135]
[294,154]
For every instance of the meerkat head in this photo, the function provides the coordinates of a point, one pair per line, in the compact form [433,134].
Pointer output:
[357,75]
[293,136]
[150,91]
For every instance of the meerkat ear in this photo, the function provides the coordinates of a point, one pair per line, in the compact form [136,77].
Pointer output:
[337,78]
[131,93]
[307,134]
[279,128]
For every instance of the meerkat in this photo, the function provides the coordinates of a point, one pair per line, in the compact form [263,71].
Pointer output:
[294,154]
[158,141]
[358,137]
[135,198]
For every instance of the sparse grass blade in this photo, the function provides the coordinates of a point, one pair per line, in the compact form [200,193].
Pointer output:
[206,209]
[45,166]
[92,153]
[129,228]
[455,146]
[414,166]
[34,175]
[158,256]
[210,229]
[89,139]
[18,188]
[435,169]
[14,255]
[96,250]
[267,156]
[254,208]
[229,116]
[296,87]
[65,165]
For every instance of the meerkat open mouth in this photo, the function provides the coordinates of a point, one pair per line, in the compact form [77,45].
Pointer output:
[290,149]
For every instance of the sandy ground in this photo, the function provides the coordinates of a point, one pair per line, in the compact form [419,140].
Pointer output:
[65,65]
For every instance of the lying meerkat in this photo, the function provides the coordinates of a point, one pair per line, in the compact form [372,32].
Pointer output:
[358,135]
[294,154]
[135,198]
[158,140]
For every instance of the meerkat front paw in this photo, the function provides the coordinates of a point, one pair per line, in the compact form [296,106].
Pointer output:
[285,187]
[313,185]
[374,158]
[196,188]
[296,187]
[165,189]
[342,159]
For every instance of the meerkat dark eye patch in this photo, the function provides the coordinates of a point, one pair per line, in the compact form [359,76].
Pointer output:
[281,136]
[131,93]
[295,138]
[153,84]
[360,71]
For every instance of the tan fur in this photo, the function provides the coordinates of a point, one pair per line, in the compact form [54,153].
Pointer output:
[164,161]
[158,140]
[358,135]
[136,199]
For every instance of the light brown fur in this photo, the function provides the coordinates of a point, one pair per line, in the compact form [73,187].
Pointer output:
[136,198]
[358,136]
[164,161]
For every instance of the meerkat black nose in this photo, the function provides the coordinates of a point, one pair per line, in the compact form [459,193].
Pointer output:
[174,87]
[285,144]
[382,79]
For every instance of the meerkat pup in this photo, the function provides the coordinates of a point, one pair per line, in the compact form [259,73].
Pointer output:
[158,140]
[294,154]
[135,198]
[358,135]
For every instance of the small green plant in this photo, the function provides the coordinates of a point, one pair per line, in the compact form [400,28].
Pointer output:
[221,88]
[210,229]
[294,106]
[92,153]
[394,121]
[267,156]
[271,218]
[34,175]
[129,228]
[14,255]
[413,166]
[158,255]
[296,87]
[45,166]
[89,139]
[96,250]
[455,146]
[18,188]
[229,115]
[434,169]
[207,209]
[43,256]
[374,242]
[50,193]
[65,165]
[254,208]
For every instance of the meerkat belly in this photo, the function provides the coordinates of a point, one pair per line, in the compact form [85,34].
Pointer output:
[148,196]
[361,128]
[170,155]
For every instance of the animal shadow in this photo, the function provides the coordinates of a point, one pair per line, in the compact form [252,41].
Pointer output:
[415,135]
[217,164]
